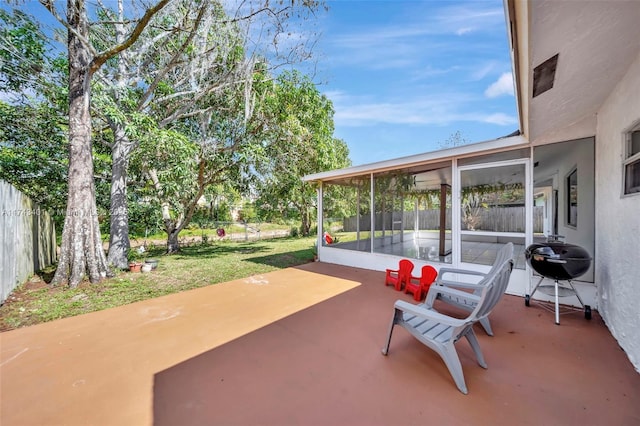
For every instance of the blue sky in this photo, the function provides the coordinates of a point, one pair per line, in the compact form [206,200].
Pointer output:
[405,75]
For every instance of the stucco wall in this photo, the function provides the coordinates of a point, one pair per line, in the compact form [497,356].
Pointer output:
[557,160]
[618,219]
[578,154]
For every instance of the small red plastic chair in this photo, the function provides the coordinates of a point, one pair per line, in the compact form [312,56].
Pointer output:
[397,277]
[328,238]
[419,286]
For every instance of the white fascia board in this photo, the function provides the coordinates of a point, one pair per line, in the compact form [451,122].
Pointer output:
[518,27]
[514,49]
[500,144]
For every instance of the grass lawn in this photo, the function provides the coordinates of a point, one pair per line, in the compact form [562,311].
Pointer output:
[196,266]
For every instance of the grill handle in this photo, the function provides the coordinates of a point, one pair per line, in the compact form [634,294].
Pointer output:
[556,260]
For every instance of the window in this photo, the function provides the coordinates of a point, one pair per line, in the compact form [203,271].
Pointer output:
[572,198]
[631,162]
[346,212]
[412,212]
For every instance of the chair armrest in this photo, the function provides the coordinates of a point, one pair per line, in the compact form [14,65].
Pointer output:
[418,310]
[452,292]
[435,290]
[440,280]
[443,271]
[447,283]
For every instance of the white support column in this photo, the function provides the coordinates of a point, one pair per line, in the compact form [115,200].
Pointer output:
[372,212]
[358,218]
[320,219]
[416,220]
[528,201]
[456,243]
[402,218]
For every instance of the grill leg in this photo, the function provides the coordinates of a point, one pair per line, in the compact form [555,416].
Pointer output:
[576,293]
[536,286]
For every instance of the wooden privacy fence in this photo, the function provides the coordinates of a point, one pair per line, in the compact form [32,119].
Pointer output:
[497,219]
[27,239]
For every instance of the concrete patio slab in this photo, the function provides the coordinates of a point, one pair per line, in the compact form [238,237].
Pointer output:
[301,346]
[99,368]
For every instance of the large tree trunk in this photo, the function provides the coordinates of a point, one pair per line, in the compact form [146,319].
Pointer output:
[306,222]
[305,218]
[173,226]
[119,243]
[173,245]
[81,250]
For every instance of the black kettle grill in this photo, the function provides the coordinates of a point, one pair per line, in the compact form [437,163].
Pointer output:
[558,261]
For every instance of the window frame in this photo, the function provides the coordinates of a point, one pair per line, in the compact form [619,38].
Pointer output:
[630,158]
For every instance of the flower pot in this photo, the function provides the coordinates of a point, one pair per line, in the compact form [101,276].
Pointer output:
[152,262]
[135,266]
[146,267]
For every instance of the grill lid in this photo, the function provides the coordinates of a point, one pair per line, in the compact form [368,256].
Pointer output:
[558,260]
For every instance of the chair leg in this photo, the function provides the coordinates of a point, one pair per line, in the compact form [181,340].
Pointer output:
[486,325]
[417,295]
[397,314]
[473,342]
[449,355]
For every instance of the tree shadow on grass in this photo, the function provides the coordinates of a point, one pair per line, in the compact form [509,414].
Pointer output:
[209,251]
[284,260]
[278,260]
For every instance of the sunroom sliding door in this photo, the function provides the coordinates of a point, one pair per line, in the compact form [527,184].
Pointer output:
[492,210]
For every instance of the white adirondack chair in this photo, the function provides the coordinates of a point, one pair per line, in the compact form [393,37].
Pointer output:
[469,300]
[440,332]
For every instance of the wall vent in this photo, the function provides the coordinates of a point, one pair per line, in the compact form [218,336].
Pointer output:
[544,75]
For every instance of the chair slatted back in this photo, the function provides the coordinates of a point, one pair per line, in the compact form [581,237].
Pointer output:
[405,270]
[494,285]
[493,291]
[504,254]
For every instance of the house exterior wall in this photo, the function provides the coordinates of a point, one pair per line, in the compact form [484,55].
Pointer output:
[617,259]
[570,158]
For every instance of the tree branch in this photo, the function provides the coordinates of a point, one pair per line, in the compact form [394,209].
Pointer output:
[50,6]
[103,57]
[175,57]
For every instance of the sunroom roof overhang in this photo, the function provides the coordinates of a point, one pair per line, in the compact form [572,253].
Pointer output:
[486,147]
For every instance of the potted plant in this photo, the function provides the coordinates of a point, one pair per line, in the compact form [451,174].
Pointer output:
[135,260]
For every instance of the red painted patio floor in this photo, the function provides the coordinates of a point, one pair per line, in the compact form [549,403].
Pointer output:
[301,346]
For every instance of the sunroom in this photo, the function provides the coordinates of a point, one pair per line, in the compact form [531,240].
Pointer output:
[456,207]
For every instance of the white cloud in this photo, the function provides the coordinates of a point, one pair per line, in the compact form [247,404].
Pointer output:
[439,110]
[335,95]
[470,16]
[503,86]
[406,44]
[482,71]
[500,119]
[361,111]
